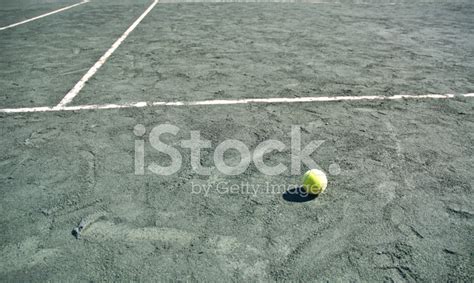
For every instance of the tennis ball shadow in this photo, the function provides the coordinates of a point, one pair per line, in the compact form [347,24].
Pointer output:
[298,195]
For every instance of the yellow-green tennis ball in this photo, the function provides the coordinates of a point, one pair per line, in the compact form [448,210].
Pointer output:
[315,181]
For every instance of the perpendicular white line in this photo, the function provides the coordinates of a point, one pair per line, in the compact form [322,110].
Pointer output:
[79,85]
[44,15]
[75,108]
[105,106]
[27,110]
[232,102]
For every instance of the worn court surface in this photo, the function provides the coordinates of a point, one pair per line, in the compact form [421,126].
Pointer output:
[401,208]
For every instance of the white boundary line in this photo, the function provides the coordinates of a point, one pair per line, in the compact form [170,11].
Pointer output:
[79,85]
[44,15]
[233,102]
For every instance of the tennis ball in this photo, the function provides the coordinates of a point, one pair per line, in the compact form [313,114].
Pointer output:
[315,181]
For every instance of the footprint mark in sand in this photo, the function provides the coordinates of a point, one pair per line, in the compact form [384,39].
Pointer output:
[88,168]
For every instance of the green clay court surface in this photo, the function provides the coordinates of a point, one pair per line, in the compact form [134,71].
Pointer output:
[400,209]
